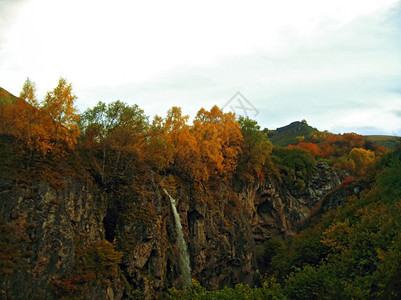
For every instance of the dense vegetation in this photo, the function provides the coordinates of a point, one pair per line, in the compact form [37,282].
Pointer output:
[351,252]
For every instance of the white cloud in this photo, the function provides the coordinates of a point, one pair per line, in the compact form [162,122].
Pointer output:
[287,57]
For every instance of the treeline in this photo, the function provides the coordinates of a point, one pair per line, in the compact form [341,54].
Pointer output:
[348,151]
[120,138]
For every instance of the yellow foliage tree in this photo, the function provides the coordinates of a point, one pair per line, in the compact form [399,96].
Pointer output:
[24,119]
[59,105]
[364,161]
[219,140]
[28,93]
[179,135]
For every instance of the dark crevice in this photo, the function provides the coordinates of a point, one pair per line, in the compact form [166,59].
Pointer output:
[110,224]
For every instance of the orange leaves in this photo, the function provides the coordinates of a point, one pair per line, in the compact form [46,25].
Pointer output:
[312,148]
[219,141]
[178,134]
[348,180]
[27,124]
[208,148]
[59,105]
[49,128]
[326,150]
[342,144]
[353,140]
[364,161]
[28,93]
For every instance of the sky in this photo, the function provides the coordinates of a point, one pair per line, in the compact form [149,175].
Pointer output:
[336,64]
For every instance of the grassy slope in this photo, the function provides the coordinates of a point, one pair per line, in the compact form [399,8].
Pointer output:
[388,141]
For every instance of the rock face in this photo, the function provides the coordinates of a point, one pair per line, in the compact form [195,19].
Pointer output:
[220,245]
[275,210]
[48,222]
[220,226]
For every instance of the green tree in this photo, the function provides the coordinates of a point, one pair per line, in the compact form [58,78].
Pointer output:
[115,134]
[255,149]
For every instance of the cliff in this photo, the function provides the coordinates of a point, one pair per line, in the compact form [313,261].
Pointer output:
[46,227]
[275,210]
[81,239]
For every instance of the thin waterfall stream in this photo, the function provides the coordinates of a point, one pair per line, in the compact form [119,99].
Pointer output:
[182,246]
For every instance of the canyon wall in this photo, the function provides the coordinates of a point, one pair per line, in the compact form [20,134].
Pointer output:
[54,240]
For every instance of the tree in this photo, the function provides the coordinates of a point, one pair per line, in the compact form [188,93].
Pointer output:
[24,119]
[364,161]
[343,144]
[255,148]
[115,134]
[312,148]
[29,115]
[28,93]
[219,138]
[59,104]
[178,135]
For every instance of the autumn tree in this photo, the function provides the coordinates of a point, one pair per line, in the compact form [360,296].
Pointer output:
[17,116]
[312,148]
[353,140]
[25,120]
[364,161]
[343,144]
[326,150]
[59,105]
[28,93]
[30,117]
[178,134]
[219,139]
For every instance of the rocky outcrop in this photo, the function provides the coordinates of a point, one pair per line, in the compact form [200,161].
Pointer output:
[49,223]
[275,210]
[220,227]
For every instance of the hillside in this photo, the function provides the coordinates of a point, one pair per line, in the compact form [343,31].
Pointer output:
[352,252]
[6,97]
[388,141]
[121,229]
[123,207]
[287,135]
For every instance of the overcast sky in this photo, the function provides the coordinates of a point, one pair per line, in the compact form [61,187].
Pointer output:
[336,64]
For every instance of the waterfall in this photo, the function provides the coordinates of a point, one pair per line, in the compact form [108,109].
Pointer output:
[182,246]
